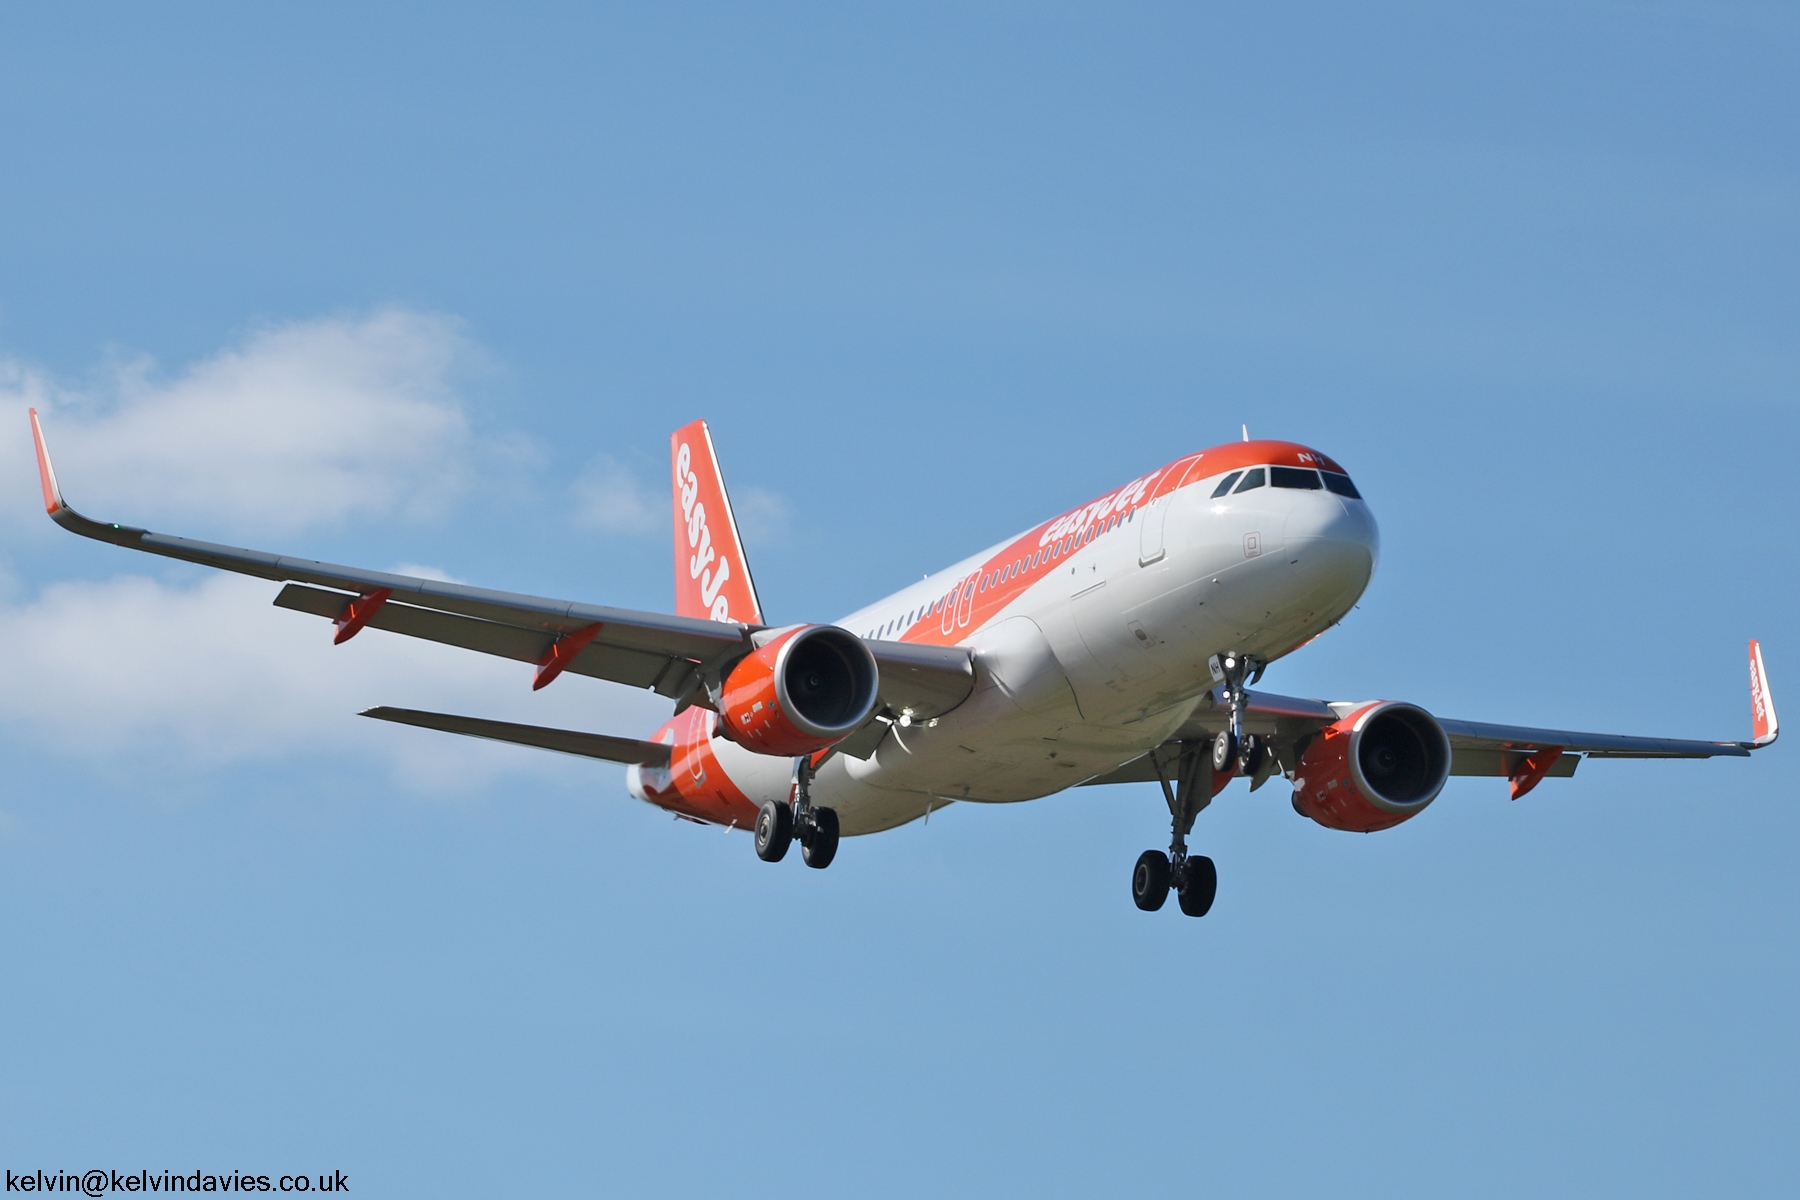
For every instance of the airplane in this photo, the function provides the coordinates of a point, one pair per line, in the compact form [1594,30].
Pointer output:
[1119,641]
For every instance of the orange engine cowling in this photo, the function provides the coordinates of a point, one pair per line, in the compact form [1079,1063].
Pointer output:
[1373,769]
[806,690]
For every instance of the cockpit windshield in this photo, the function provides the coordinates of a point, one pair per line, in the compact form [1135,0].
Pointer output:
[1294,477]
[1298,478]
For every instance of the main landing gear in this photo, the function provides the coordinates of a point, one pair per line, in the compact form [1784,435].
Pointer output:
[779,823]
[1194,879]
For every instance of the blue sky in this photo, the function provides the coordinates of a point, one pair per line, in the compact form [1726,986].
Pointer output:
[392,285]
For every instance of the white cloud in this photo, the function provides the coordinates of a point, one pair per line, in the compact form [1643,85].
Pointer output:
[213,674]
[421,571]
[308,422]
[299,424]
[609,496]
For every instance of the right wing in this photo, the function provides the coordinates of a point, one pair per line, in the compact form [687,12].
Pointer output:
[676,656]
[642,649]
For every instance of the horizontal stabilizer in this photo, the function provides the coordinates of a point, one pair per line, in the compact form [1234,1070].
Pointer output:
[566,741]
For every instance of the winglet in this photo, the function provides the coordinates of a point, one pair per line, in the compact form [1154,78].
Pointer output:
[58,508]
[1762,704]
[53,501]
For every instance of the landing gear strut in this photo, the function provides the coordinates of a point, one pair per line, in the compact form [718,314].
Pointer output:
[1194,879]
[1233,750]
[779,823]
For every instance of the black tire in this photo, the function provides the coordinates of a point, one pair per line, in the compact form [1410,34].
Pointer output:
[774,831]
[1252,757]
[1225,750]
[1199,884]
[1150,880]
[819,849]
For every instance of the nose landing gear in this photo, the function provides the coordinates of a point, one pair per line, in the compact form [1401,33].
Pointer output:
[1233,750]
[779,823]
[1194,879]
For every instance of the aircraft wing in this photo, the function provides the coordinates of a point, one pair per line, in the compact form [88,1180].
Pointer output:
[1476,747]
[669,654]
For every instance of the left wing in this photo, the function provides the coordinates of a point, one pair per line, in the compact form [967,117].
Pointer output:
[1522,753]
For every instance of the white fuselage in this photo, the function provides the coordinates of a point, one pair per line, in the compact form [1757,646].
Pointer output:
[1103,656]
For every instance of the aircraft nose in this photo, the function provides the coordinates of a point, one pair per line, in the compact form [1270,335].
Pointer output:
[1333,541]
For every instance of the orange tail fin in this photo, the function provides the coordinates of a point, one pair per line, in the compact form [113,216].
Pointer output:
[712,576]
[1762,705]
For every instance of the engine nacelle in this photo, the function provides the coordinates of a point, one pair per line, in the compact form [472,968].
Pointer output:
[1373,769]
[806,690]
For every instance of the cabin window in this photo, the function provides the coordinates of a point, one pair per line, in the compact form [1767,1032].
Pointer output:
[1341,484]
[1252,479]
[1225,484]
[1295,477]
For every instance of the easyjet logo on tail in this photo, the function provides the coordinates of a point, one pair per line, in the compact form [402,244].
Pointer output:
[711,577]
[1762,706]
[705,563]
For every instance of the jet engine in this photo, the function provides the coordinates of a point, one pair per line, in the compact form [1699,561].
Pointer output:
[800,693]
[1373,769]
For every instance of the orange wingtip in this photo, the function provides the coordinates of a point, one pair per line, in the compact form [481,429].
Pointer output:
[1763,725]
[53,501]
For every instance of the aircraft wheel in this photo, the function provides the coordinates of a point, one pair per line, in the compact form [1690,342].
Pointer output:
[1253,755]
[774,831]
[820,846]
[1150,880]
[1199,884]
[1225,750]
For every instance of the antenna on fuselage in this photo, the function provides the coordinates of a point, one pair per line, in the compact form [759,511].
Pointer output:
[1246,433]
